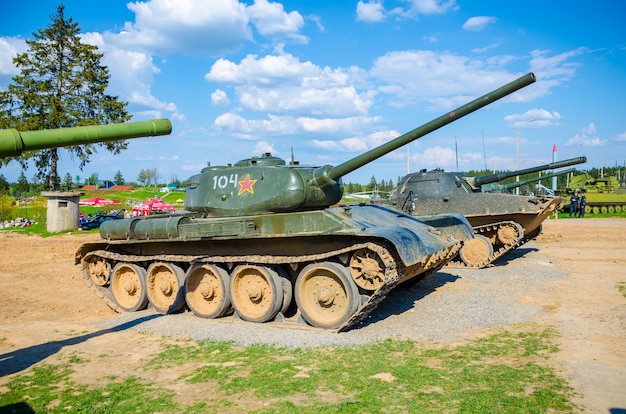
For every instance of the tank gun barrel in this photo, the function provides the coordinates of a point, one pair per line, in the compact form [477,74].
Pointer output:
[328,174]
[510,186]
[477,182]
[14,142]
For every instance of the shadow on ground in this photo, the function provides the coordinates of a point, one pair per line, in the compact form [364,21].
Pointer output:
[403,297]
[16,361]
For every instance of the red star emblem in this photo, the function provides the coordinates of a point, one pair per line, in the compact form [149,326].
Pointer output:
[246,185]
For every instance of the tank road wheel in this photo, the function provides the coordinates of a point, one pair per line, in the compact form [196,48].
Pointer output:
[595,209]
[165,287]
[588,209]
[367,269]
[128,285]
[611,209]
[476,251]
[508,234]
[207,290]
[618,208]
[326,294]
[603,209]
[256,293]
[98,271]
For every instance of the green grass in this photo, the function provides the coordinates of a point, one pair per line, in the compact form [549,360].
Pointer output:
[621,286]
[509,371]
[565,215]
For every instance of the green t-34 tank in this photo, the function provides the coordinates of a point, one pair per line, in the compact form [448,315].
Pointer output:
[267,241]
[501,221]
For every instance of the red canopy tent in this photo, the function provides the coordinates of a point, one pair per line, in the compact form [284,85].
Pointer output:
[153,206]
[97,202]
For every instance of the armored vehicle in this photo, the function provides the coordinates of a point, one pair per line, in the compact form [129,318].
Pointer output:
[264,240]
[603,194]
[501,221]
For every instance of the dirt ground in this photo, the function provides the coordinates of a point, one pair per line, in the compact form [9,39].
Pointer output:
[46,307]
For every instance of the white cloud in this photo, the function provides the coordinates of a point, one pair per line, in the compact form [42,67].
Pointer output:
[252,129]
[208,27]
[219,98]
[355,144]
[186,26]
[485,49]
[478,23]
[335,125]
[587,138]
[262,147]
[10,47]
[428,7]
[442,79]
[334,102]
[435,157]
[131,74]
[374,11]
[621,137]
[269,70]
[283,85]
[533,118]
[370,12]
[555,66]
[271,20]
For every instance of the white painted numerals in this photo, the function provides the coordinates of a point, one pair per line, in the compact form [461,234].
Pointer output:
[223,181]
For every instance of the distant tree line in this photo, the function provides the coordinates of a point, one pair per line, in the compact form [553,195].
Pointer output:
[151,177]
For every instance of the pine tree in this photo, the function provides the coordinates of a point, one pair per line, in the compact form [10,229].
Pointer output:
[4,185]
[118,179]
[61,84]
[21,186]
[67,181]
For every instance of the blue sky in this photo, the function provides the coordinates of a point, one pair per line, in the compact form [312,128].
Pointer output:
[328,80]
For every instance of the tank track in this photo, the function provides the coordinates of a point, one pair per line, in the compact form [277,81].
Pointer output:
[490,230]
[395,273]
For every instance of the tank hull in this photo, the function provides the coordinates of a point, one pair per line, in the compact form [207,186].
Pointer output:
[374,247]
[486,208]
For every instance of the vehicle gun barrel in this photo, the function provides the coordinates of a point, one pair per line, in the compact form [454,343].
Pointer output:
[14,143]
[477,182]
[328,174]
[510,186]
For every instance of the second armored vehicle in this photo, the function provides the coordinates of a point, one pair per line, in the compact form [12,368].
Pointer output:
[501,221]
[603,194]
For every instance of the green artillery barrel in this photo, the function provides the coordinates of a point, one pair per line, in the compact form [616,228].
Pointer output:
[510,186]
[492,178]
[330,174]
[14,142]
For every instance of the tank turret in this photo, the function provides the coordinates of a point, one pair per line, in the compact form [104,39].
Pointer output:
[265,240]
[493,187]
[13,142]
[267,185]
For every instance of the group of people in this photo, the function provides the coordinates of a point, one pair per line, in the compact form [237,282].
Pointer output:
[577,204]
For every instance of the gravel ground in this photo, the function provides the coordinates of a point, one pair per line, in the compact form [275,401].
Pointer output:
[452,304]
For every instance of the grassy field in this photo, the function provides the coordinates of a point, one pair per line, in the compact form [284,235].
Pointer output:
[506,372]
